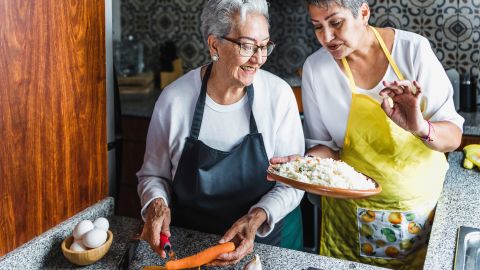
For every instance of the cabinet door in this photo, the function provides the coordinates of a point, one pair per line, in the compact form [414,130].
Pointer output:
[466,140]
[52,113]
[134,139]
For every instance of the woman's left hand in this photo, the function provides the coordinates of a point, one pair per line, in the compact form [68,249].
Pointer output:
[406,111]
[279,160]
[242,233]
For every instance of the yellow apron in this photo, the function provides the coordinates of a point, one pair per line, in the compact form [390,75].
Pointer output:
[391,228]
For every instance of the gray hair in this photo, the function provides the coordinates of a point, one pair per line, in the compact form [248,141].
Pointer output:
[352,5]
[217,15]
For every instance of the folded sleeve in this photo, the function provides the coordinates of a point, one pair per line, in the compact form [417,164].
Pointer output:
[315,131]
[438,90]
[154,178]
[282,199]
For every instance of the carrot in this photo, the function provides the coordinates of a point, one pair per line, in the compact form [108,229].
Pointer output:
[201,258]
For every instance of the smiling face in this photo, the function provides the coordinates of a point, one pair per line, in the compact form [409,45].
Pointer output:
[237,69]
[337,29]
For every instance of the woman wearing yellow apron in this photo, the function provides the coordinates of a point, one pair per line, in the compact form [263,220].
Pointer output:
[381,102]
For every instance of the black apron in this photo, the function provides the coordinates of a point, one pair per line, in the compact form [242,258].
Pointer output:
[212,189]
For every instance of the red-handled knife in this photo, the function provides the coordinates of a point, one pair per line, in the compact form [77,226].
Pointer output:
[167,246]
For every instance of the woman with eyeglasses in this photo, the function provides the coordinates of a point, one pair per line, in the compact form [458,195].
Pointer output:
[211,136]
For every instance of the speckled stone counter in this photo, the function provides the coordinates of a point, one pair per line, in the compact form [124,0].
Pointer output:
[44,252]
[459,205]
[187,242]
[472,123]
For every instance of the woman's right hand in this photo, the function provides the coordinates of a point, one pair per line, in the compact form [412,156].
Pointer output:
[157,222]
[323,151]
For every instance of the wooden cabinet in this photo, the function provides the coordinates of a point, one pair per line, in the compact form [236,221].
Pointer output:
[133,148]
[468,139]
[53,154]
[298,96]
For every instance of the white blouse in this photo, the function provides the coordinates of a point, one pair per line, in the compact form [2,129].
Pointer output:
[223,126]
[326,94]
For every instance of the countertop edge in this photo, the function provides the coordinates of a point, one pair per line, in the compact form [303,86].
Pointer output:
[33,253]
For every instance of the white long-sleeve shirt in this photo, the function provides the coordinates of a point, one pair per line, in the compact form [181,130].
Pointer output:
[223,126]
[326,94]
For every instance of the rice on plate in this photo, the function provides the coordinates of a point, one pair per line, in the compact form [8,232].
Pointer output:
[324,172]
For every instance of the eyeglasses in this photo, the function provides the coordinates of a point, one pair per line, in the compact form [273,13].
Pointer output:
[249,49]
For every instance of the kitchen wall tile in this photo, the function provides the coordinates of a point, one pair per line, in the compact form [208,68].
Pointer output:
[468,53]
[434,12]
[436,36]
[458,28]
[409,12]
[191,50]
[471,10]
[378,8]
[294,35]
[451,26]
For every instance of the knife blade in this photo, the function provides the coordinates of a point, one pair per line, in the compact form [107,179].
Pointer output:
[130,251]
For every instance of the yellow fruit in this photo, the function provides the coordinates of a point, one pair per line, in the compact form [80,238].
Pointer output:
[366,230]
[392,252]
[395,218]
[472,153]
[380,243]
[414,228]
[368,216]
[467,164]
[472,147]
[406,244]
[367,248]
[474,157]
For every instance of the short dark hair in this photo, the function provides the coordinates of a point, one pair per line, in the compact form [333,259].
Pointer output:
[352,5]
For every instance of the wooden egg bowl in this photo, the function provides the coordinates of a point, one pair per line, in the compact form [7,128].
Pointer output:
[88,256]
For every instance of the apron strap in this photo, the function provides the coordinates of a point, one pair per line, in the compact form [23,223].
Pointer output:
[387,54]
[351,81]
[392,62]
[200,106]
[253,123]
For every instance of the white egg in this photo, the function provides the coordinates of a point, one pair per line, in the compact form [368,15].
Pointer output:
[82,227]
[101,223]
[77,245]
[94,238]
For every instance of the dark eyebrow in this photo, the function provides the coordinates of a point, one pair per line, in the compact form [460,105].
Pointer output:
[326,18]
[253,40]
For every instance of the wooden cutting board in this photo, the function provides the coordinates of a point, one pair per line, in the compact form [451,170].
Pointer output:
[140,79]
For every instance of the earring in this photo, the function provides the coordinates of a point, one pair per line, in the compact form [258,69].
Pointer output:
[215,57]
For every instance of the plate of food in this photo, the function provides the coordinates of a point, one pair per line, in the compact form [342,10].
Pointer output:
[326,177]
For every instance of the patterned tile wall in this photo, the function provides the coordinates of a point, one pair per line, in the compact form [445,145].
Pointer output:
[452,26]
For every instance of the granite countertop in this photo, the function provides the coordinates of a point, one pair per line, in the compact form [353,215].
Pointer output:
[471,126]
[458,206]
[187,242]
[44,251]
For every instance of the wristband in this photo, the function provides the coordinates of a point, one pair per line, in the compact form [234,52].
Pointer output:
[428,138]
